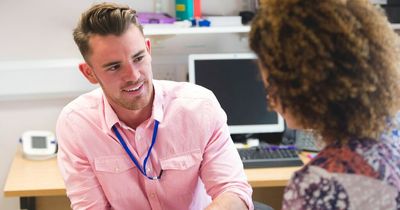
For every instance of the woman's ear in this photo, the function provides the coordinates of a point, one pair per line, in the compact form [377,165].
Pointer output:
[87,71]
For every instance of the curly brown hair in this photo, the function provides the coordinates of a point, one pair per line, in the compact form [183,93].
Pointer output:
[103,19]
[334,64]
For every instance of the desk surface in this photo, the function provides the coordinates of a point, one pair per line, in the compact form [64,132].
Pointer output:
[29,178]
[33,178]
[273,177]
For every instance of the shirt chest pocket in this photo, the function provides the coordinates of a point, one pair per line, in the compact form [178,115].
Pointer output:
[182,161]
[112,164]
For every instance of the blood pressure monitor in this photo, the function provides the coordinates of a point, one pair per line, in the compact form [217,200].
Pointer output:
[38,145]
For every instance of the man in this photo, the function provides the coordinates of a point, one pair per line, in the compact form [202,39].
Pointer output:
[139,143]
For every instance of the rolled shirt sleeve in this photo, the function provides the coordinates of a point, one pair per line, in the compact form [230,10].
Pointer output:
[222,169]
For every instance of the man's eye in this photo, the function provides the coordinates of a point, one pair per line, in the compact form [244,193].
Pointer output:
[113,68]
[138,59]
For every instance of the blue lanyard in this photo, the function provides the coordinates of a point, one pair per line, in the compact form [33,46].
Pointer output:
[128,151]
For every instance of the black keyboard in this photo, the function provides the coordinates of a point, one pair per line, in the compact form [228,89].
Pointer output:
[270,156]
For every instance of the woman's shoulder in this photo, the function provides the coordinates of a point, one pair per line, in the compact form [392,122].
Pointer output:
[367,157]
[341,176]
[345,159]
[314,187]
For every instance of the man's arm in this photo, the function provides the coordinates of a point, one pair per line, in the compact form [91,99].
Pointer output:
[227,201]
[83,188]
[222,169]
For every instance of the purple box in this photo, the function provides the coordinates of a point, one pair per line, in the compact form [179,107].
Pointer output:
[155,18]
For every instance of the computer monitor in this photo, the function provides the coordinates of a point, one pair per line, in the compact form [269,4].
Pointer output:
[235,81]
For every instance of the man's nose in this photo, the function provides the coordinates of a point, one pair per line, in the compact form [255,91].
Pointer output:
[132,73]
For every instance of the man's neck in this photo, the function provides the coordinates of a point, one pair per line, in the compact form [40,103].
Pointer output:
[133,118]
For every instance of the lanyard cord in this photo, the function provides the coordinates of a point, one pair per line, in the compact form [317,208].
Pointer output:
[128,151]
[153,141]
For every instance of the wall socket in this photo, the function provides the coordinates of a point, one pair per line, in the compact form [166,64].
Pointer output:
[177,72]
[165,74]
[174,68]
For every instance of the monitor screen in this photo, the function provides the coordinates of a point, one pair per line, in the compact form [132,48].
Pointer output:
[236,83]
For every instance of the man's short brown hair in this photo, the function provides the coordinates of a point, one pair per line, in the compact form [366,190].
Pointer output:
[103,19]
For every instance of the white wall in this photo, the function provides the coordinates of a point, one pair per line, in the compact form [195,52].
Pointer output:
[41,30]
[15,118]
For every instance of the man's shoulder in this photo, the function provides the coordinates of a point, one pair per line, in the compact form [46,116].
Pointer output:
[184,90]
[189,101]
[86,101]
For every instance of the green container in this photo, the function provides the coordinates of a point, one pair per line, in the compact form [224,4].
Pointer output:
[184,9]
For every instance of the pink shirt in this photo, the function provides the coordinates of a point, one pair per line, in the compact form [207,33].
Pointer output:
[193,148]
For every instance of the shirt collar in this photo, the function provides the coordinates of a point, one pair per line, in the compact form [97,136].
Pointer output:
[111,117]
[158,103]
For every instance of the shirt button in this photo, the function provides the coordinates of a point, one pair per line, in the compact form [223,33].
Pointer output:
[152,195]
[116,169]
[148,169]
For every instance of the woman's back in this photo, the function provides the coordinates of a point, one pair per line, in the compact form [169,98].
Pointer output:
[361,174]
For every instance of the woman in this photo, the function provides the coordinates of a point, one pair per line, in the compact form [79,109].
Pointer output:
[333,66]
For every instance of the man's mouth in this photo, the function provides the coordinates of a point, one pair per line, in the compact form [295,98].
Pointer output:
[135,88]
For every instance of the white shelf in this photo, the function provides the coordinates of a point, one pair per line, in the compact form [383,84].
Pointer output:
[173,30]
[165,30]
[396,26]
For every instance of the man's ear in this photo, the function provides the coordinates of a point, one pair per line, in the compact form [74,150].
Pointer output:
[87,71]
[148,45]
